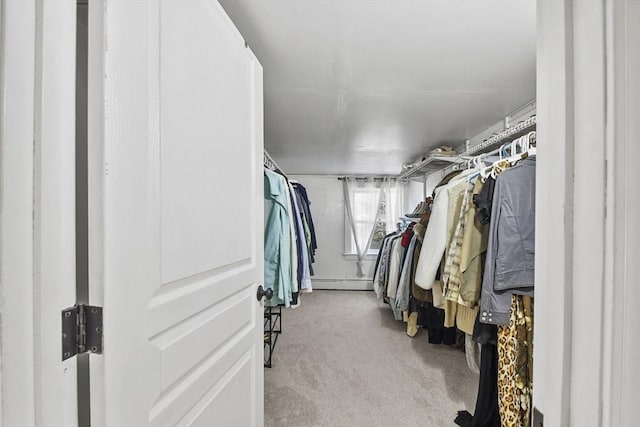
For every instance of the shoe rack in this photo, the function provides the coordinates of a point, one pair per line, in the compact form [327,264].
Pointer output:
[272,330]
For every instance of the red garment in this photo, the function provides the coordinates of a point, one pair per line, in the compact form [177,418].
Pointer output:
[408,233]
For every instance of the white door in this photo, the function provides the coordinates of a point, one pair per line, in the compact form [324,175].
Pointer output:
[176,219]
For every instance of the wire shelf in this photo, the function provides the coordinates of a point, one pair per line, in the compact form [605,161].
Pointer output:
[506,136]
[430,165]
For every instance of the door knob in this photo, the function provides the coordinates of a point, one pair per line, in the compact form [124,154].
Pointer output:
[268,293]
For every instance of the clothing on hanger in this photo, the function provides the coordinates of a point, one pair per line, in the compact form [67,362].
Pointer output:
[289,239]
[510,264]
[304,273]
[515,364]
[277,241]
[438,230]
[473,252]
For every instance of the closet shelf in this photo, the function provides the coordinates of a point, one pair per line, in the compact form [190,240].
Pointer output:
[437,163]
[430,165]
[507,135]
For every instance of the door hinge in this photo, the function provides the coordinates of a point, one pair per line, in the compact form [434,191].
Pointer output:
[81,330]
[538,418]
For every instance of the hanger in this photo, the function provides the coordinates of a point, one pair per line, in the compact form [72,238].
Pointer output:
[503,150]
[531,139]
[518,143]
[469,163]
[528,149]
[513,148]
[486,173]
[481,162]
[483,172]
[473,167]
[476,161]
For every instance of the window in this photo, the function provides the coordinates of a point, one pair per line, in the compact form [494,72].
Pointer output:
[364,204]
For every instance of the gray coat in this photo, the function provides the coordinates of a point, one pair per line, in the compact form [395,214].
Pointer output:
[510,263]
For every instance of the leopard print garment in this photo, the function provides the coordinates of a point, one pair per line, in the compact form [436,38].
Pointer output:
[515,364]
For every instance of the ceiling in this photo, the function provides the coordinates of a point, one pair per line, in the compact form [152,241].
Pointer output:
[363,86]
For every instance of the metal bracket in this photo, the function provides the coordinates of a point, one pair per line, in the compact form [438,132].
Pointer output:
[507,122]
[81,330]
[538,418]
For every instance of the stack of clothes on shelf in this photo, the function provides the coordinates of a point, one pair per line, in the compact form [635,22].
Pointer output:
[467,267]
[289,239]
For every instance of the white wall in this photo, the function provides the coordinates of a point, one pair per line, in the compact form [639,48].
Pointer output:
[414,194]
[419,188]
[334,270]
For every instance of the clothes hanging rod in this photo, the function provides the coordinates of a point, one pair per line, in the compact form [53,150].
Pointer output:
[270,163]
[497,151]
[506,146]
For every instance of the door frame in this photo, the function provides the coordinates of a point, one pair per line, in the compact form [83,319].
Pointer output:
[587,239]
[37,206]
[17,80]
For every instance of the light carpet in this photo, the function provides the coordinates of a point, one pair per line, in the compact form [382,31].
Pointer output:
[342,360]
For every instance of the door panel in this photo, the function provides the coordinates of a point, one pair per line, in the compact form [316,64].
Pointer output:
[178,215]
[201,149]
[223,398]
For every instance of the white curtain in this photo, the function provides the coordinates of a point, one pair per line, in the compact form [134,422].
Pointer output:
[393,197]
[373,210]
[363,219]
